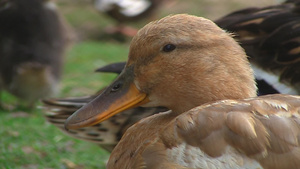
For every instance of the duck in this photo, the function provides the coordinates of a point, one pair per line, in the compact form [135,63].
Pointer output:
[250,34]
[270,37]
[34,38]
[126,11]
[215,120]
[107,134]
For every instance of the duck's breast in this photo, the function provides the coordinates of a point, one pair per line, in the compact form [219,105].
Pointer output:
[193,157]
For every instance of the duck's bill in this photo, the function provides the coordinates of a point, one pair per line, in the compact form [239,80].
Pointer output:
[119,96]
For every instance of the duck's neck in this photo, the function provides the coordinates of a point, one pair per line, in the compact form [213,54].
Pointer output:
[187,100]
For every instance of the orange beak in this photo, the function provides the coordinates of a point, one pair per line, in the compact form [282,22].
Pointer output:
[121,95]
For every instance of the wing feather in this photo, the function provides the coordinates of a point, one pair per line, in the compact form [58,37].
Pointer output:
[266,129]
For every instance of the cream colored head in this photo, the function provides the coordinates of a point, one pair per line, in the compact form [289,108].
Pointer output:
[207,64]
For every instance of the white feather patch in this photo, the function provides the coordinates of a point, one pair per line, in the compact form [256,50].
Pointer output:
[193,157]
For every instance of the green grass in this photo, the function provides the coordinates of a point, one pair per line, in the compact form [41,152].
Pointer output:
[28,141]
[83,59]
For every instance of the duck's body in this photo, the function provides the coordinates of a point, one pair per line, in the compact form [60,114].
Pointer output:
[215,119]
[225,134]
[270,36]
[33,39]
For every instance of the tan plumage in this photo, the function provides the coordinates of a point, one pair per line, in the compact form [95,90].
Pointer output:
[216,120]
[263,129]
[263,32]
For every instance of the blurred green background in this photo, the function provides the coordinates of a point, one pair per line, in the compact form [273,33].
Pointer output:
[28,141]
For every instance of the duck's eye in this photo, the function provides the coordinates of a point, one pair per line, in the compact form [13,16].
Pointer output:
[116,87]
[169,48]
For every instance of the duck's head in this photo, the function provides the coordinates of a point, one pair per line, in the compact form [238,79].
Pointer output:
[178,62]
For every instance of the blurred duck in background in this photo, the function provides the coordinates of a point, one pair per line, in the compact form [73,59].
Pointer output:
[124,11]
[33,39]
[270,37]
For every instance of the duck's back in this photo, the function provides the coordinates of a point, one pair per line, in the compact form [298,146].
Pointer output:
[270,36]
